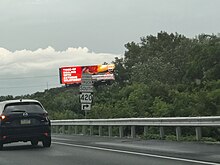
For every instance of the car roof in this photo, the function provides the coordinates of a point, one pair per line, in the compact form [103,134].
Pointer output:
[4,103]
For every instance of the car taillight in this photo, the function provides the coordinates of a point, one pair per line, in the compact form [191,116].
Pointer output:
[46,134]
[2,117]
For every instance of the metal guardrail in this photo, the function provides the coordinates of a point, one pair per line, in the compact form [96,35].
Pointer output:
[178,122]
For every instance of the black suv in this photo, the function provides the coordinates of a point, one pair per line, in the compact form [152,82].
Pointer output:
[24,120]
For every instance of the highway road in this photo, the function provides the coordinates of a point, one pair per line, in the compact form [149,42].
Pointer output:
[85,150]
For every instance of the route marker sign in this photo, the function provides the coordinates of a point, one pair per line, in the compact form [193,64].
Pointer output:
[86,97]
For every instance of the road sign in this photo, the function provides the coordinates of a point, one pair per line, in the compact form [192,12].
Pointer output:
[83,88]
[87,82]
[86,88]
[86,97]
[86,76]
[85,107]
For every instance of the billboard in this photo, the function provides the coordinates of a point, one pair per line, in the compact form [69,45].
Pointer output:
[73,74]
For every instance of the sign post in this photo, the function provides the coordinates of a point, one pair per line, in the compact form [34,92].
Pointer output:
[86,92]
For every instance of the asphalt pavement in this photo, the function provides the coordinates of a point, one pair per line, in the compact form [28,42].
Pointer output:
[86,150]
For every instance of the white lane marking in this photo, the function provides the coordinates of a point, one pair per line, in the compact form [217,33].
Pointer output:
[138,153]
[55,138]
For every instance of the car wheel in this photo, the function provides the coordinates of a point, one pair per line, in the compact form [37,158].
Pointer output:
[34,142]
[1,145]
[47,142]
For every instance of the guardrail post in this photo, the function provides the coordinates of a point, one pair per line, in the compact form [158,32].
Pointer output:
[63,129]
[162,135]
[52,129]
[100,130]
[121,131]
[84,130]
[133,132]
[76,129]
[198,133]
[145,130]
[69,129]
[110,131]
[57,129]
[91,130]
[178,133]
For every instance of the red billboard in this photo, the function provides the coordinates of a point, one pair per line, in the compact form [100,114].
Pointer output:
[73,74]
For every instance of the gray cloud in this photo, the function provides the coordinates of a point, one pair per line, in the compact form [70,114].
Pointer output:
[103,26]
[42,62]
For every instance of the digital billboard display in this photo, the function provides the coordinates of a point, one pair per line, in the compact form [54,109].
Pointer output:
[73,74]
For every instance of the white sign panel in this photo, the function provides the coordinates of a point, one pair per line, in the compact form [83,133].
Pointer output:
[86,97]
[83,88]
[86,76]
[87,82]
[86,107]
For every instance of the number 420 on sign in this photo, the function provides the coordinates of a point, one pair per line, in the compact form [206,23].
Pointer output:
[86,97]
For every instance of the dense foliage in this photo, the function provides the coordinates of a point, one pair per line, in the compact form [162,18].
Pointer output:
[163,75]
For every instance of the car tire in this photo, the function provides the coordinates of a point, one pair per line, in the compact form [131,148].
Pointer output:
[34,142]
[1,146]
[46,142]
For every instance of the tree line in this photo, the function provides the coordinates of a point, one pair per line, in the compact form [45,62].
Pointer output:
[165,75]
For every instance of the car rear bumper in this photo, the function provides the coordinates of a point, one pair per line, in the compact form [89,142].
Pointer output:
[15,134]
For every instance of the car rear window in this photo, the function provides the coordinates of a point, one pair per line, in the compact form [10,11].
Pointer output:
[23,107]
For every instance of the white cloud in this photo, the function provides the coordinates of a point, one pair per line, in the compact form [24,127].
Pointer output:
[48,60]
[25,71]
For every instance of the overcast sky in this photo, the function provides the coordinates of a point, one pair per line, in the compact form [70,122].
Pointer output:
[39,36]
